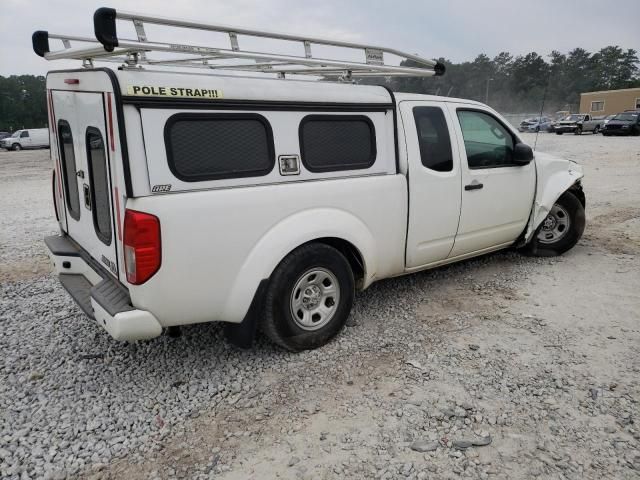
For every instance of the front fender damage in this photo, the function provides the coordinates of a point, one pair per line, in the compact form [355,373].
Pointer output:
[554,176]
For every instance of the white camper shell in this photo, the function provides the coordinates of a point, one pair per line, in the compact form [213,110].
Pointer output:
[185,198]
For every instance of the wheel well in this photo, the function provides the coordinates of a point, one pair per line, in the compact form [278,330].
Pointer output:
[576,189]
[351,253]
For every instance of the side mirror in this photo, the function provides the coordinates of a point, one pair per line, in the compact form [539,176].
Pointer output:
[522,154]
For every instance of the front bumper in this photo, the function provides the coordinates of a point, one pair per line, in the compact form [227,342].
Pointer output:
[99,295]
[617,131]
[565,128]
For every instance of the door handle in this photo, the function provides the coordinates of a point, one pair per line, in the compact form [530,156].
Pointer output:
[87,196]
[473,186]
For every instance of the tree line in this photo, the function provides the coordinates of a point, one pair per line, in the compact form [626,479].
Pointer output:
[23,102]
[518,84]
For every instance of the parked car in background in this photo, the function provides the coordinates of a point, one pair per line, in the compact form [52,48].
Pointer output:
[578,123]
[28,138]
[626,123]
[4,135]
[535,124]
[606,120]
[568,124]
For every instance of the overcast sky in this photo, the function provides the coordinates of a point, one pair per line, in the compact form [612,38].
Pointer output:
[455,29]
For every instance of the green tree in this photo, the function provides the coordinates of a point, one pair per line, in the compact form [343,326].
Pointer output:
[23,102]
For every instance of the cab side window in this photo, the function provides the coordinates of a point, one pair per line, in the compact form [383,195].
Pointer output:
[487,142]
[433,138]
[24,134]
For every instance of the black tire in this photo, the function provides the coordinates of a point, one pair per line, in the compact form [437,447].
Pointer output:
[279,324]
[575,210]
[16,147]
[596,130]
[578,131]
[559,133]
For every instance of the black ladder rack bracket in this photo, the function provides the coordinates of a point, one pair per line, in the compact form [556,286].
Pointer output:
[40,42]
[104,26]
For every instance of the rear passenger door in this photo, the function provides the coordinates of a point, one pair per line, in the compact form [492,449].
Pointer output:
[434,182]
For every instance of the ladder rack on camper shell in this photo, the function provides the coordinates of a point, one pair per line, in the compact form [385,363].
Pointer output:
[135,53]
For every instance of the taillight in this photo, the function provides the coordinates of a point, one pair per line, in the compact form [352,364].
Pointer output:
[142,252]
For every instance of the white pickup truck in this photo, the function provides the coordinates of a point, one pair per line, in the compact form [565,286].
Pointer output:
[578,123]
[268,203]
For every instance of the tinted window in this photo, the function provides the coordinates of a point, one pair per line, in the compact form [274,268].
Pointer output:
[487,142]
[24,134]
[101,205]
[68,158]
[215,146]
[337,142]
[433,138]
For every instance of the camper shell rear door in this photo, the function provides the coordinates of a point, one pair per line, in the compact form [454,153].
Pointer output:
[83,148]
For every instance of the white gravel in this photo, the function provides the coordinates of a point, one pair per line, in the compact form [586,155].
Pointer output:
[500,367]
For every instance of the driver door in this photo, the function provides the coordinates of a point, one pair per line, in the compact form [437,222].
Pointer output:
[497,194]
[25,139]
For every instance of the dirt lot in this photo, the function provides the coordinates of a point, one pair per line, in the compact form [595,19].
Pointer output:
[500,367]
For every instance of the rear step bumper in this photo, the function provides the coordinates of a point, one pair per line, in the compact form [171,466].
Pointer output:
[99,295]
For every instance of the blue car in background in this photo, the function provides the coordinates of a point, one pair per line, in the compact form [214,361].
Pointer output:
[536,124]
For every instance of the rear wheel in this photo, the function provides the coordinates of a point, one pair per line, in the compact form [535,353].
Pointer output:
[560,230]
[596,130]
[578,131]
[16,147]
[309,297]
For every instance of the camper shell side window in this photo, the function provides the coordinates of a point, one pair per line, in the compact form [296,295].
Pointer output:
[337,142]
[213,146]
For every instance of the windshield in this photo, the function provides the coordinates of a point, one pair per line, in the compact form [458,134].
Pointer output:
[627,117]
[573,118]
[16,134]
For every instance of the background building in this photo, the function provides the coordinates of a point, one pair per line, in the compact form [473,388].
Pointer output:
[610,101]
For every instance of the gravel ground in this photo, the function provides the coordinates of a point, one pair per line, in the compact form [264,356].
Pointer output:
[500,367]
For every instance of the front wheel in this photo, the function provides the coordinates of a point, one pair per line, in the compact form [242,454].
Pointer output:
[578,131]
[16,147]
[596,130]
[309,297]
[559,133]
[560,230]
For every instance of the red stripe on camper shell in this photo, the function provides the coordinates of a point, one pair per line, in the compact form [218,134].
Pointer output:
[54,152]
[116,194]
[111,139]
[51,116]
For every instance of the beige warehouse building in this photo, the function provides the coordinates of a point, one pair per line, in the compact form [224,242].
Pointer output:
[608,102]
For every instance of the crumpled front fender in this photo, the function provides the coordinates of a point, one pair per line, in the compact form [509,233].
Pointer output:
[554,177]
